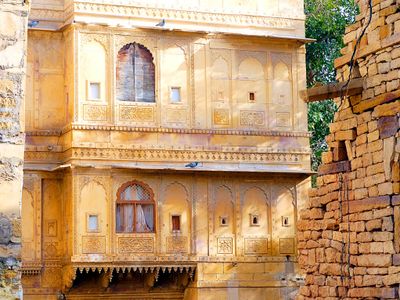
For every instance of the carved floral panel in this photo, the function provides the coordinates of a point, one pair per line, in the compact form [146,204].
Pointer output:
[94,112]
[177,244]
[93,244]
[128,245]
[252,118]
[133,113]
[256,246]
[176,115]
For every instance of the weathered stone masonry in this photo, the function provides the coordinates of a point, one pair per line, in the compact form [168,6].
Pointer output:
[13,29]
[349,236]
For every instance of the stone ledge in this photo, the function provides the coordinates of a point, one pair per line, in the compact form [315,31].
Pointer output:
[338,167]
[369,204]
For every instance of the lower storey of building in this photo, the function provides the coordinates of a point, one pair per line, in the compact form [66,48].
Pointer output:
[202,281]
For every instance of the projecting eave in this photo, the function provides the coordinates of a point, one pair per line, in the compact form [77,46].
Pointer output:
[292,169]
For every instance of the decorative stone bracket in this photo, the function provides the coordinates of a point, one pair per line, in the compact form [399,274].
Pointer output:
[107,271]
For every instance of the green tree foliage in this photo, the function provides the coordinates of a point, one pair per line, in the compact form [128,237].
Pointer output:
[326,22]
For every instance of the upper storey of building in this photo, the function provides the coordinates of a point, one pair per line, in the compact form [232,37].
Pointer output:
[250,17]
[187,81]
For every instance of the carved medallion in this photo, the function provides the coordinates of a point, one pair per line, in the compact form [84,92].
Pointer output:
[51,249]
[93,244]
[221,117]
[176,244]
[256,246]
[127,245]
[225,245]
[252,118]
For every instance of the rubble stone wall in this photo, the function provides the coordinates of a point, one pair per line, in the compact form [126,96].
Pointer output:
[349,235]
[13,32]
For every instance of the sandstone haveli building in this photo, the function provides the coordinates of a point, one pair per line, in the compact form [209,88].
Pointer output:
[166,149]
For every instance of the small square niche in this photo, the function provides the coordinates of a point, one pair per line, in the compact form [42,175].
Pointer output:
[254,220]
[93,223]
[175,95]
[252,96]
[285,221]
[223,221]
[94,91]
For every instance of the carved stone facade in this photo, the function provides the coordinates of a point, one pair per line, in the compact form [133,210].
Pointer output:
[181,191]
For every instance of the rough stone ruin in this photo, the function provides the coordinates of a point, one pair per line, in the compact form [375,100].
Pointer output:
[13,32]
[349,235]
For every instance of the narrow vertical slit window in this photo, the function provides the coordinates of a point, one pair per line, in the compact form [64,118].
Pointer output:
[176,223]
[252,96]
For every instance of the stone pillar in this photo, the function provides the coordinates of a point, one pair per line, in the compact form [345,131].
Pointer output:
[13,38]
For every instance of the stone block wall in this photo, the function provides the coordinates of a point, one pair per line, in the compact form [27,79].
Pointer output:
[13,32]
[349,235]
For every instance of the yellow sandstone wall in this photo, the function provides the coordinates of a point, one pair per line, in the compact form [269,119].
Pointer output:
[349,234]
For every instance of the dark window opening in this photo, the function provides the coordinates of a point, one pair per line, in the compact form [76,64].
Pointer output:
[176,223]
[252,96]
[224,221]
[340,152]
[254,220]
[285,221]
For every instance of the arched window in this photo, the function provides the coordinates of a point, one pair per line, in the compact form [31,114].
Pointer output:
[135,74]
[135,208]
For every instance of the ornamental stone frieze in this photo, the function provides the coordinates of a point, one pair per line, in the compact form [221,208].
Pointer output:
[262,157]
[229,18]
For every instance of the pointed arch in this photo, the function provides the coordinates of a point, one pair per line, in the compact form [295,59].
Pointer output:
[281,71]
[135,208]
[251,69]
[220,69]
[135,74]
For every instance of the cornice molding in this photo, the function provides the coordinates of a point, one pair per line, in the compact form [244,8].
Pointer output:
[185,15]
[288,158]
[168,130]
[131,11]
[187,131]
[128,261]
